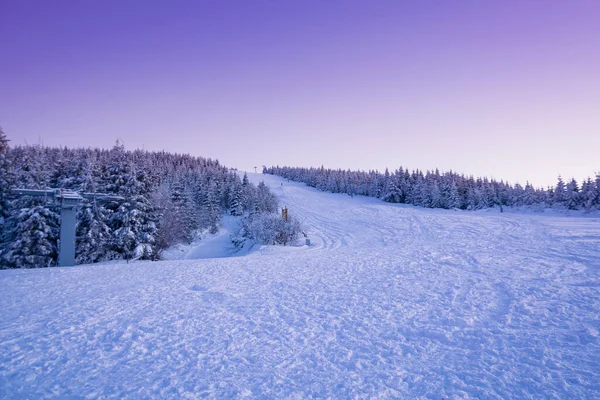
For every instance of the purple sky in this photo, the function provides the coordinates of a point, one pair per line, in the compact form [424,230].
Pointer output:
[507,89]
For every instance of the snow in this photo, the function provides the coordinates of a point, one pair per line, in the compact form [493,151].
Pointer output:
[389,301]
[209,246]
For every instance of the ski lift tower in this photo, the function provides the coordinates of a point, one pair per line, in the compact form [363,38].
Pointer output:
[70,202]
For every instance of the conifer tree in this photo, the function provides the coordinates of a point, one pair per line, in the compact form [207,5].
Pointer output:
[571,196]
[33,230]
[266,201]
[435,196]
[454,200]
[5,180]
[134,222]
[597,197]
[236,204]
[559,192]
[210,210]
[587,195]
[92,234]
[529,197]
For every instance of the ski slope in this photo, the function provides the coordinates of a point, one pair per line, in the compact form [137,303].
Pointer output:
[390,301]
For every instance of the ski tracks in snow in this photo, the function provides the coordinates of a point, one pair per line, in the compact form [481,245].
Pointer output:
[503,292]
[390,301]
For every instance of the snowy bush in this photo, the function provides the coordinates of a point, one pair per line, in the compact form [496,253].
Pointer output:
[270,228]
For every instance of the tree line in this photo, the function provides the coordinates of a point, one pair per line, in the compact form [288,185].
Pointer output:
[166,199]
[447,190]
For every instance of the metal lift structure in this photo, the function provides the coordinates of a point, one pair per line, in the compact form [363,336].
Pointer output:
[70,201]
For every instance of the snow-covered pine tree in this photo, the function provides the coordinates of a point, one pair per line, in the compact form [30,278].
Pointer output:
[266,201]
[587,194]
[177,203]
[236,200]
[471,203]
[516,196]
[597,190]
[168,229]
[210,209]
[454,200]
[571,195]
[386,188]
[550,196]
[418,189]
[248,194]
[191,215]
[115,170]
[134,221]
[559,192]
[92,234]
[5,180]
[183,211]
[134,228]
[435,195]
[487,194]
[373,185]
[32,235]
[529,196]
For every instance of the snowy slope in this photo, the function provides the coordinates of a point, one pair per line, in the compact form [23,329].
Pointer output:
[390,301]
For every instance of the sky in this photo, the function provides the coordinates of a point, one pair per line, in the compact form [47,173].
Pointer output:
[504,89]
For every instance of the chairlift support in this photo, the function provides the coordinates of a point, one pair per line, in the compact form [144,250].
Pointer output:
[70,201]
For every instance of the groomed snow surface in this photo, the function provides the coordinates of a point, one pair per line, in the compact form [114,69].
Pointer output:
[390,301]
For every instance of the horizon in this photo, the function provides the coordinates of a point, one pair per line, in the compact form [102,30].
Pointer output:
[503,90]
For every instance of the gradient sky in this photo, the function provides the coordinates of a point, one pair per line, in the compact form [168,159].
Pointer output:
[504,89]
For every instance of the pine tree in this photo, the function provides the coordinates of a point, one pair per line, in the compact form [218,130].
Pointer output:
[5,179]
[571,196]
[454,200]
[266,201]
[385,188]
[210,210]
[471,201]
[190,215]
[588,194]
[529,197]
[168,227]
[488,194]
[236,205]
[597,190]
[248,194]
[92,234]
[559,192]
[134,221]
[33,231]
[134,228]
[391,194]
[435,195]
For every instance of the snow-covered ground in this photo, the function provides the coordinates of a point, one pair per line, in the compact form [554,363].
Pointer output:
[209,246]
[390,301]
